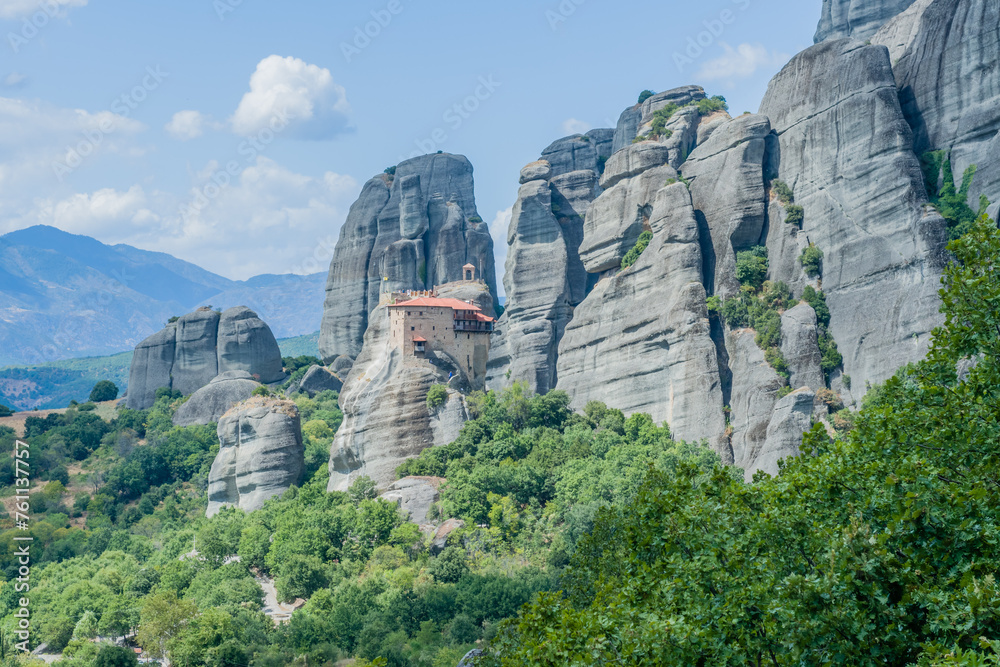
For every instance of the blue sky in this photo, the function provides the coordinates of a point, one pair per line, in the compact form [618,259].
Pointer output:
[116,117]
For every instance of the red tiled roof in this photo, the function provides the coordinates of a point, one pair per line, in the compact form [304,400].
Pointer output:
[418,339]
[436,302]
[483,318]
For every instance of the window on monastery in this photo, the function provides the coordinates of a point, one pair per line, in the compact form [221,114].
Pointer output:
[413,328]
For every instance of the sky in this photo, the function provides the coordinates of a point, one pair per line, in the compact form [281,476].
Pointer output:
[235,134]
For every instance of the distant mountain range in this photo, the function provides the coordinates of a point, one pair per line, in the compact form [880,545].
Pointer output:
[64,296]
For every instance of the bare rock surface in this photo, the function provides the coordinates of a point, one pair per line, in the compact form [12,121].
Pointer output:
[189,353]
[260,456]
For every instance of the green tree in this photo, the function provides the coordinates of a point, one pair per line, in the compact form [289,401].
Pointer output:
[751,266]
[161,618]
[105,390]
[5,411]
[115,656]
[437,396]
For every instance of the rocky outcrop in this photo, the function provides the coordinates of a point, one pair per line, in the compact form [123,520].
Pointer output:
[544,277]
[316,380]
[208,404]
[800,348]
[791,418]
[260,455]
[636,119]
[859,19]
[846,152]
[944,56]
[641,339]
[245,343]
[413,229]
[727,186]
[189,353]
[414,496]
[753,395]
[384,401]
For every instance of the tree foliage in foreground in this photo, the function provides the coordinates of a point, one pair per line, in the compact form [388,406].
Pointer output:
[878,549]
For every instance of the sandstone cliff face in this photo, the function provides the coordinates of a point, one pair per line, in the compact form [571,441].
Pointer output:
[856,18]
[413,230]
[189,353]
[944,56]
[641,340]
[846,152]
[384,400]
[545,278]
[260,455]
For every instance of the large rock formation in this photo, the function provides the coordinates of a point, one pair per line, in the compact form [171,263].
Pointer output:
[727,186]
[847,153]
[384,400]
[189,353]
[208,404]
[641,339]
[260,455]
[412,229]
[944,56]
[545,278]
[856,18]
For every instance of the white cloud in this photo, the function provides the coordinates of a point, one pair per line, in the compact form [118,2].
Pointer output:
[307,94]
[19,9]
[498,230]
[739,63]
[269,220]
[186,125]
[105,212]
[574,126]
[14,79]
[36,138]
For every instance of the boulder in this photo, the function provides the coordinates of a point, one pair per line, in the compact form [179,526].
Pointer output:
[260,456]
[846,152]
[414,496]
[208,404]
[245,343]
[440,540]
[316,380]
[189,353]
